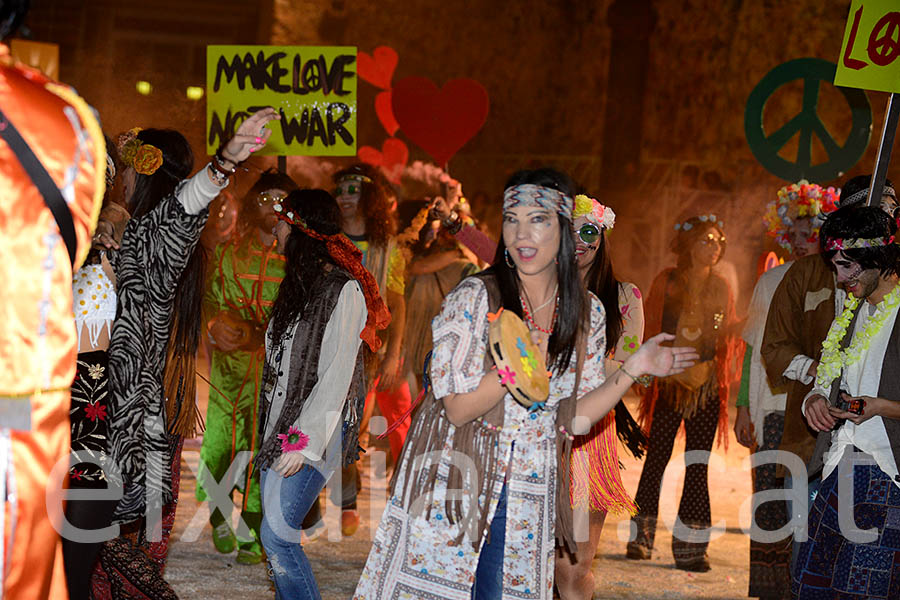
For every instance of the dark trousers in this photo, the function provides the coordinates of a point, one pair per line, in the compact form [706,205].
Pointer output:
[688,542]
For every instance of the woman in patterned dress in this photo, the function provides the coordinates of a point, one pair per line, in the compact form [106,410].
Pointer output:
[596,481]
[473,508]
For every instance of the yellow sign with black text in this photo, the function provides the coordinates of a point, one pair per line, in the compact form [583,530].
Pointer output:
[870,54]
[313,88]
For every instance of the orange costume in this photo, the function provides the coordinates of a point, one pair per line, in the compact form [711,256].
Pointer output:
[37,329]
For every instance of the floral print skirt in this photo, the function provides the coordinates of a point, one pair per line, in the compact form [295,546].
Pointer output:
[89,418]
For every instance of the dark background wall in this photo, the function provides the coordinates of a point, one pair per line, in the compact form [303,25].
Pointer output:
[641,100]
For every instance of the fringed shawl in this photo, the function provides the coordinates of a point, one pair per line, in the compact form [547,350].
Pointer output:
[729,350]
[479,440]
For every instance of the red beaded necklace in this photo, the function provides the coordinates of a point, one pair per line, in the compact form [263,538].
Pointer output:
[530,319]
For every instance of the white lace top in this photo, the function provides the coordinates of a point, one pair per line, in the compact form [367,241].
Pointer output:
[94,301]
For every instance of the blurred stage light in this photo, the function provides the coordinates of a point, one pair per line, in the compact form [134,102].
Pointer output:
[144,88]
[194,92]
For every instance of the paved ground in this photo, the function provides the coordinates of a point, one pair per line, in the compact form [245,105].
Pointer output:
[198,572]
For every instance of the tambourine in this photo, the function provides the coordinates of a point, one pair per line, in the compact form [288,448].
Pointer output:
[520,364]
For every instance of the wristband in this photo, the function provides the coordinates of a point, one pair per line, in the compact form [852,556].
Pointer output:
[218,163]
[219,178]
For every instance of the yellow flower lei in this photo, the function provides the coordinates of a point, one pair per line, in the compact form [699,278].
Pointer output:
[833,358]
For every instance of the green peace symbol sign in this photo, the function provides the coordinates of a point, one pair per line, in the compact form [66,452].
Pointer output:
[765,147]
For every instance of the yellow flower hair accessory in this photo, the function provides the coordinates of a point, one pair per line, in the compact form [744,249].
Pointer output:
[801,200]
[143,158]
[593,211]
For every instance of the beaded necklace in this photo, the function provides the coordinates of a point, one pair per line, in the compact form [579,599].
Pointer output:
[529,319]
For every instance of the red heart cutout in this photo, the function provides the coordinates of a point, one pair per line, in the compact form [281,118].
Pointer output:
[377,69]
[386,113]
[392,158]
[441,121]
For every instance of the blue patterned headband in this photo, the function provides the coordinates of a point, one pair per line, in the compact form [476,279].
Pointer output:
[535,195]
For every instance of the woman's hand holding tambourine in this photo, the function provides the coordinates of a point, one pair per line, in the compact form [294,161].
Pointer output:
[653,359]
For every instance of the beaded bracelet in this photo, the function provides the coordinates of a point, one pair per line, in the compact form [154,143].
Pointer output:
[488,426]
[218,162]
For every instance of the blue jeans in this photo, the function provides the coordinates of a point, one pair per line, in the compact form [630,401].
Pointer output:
[283,512]
[489,573]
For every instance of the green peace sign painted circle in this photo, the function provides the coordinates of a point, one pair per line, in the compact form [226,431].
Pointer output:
[765,147]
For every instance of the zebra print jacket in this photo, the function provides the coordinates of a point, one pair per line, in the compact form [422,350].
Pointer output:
[154,251]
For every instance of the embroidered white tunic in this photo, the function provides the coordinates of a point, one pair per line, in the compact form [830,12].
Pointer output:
[415,557]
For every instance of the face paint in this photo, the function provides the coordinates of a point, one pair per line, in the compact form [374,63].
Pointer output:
[854,279]
[347,194]
[587,241]
[531,235]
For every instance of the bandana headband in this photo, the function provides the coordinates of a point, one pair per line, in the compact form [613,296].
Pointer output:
[864,193]
[354,177]
[348,257]
[593,211]
[854,243]
[535,195]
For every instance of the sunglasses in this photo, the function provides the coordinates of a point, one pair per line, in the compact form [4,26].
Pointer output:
[589,233]
[350,189]
[266,198]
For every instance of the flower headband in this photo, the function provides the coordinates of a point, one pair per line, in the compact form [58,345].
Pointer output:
[349,258]
[799,200]
[354,177]
[688,225]
[854,243]
[593,211]
[535,195]
[143,158]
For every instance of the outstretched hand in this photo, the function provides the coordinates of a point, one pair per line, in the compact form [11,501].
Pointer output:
[250,136]
[661,361]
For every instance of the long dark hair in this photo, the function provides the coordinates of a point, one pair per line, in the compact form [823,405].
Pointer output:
[860,221]
[305,256]
[603,283]
[374,201]
[572,312]
[149,191]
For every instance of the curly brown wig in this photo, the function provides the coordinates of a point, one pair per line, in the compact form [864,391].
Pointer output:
[375,202]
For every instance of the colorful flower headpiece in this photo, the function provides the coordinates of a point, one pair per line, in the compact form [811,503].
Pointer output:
[801,200]
[348,257]
[593,211]
[143,158]
[355,177]
[689,224]
[536,195]
[853,243]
